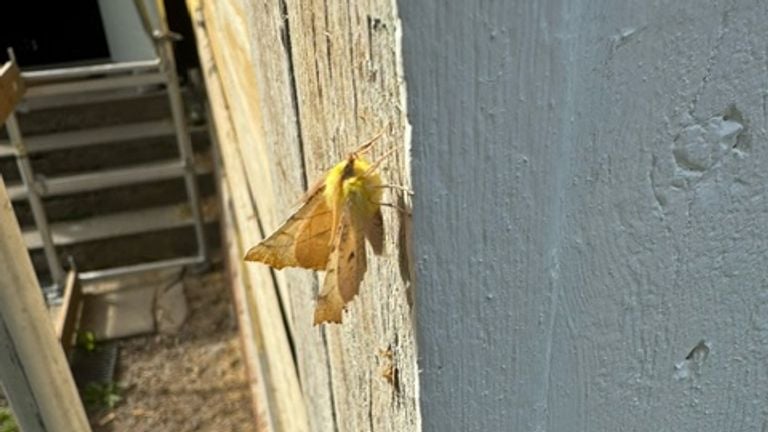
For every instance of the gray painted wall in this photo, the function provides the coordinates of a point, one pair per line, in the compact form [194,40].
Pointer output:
[590,213]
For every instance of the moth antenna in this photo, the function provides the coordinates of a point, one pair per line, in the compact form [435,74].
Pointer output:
[396,207]
[378,161]
[367,145]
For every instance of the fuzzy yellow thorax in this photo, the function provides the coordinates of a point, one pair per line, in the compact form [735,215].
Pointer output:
[350,182]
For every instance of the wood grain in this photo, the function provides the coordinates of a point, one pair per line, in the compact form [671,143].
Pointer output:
[303,83]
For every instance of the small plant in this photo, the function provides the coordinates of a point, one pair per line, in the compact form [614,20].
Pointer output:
[87,341]
[101,395]
[7,422]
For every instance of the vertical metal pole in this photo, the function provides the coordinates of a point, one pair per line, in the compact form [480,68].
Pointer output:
[164,47]
[35,202]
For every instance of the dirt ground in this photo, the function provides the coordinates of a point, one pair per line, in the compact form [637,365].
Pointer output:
[192,381]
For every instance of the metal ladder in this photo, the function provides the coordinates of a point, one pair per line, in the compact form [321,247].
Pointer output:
[77,85]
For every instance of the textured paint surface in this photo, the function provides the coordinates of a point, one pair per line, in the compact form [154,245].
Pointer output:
[590,227]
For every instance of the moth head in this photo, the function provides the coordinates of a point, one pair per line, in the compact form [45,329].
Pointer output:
[349,171]
[352,182]
[349,168]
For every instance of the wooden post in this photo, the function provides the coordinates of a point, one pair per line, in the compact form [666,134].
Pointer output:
[33,369]
[297,85]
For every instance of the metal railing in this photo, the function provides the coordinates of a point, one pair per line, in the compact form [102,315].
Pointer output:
[63,85]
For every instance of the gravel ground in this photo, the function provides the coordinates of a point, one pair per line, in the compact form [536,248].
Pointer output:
[192,381]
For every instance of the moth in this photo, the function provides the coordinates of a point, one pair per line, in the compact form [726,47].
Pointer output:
[328,232]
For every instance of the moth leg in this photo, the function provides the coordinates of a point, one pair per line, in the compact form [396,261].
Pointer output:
[393,206]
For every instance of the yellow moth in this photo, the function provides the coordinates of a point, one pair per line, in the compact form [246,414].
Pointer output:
[328,232]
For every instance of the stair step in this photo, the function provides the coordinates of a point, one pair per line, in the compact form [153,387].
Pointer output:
[93,136]
[95,180]
[121,224]
[95,84]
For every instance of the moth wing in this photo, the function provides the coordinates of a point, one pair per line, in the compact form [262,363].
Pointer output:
[346,268]
[374,232]
[351,260]
[302,228]
[313,240]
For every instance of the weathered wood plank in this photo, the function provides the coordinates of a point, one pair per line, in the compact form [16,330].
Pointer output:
[283,399]
[252,341]
[11,88]
[250,333]
[33,369]
[305,84]
[349,85]
[66,316]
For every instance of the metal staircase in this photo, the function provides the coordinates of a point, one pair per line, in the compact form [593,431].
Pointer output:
[70,89]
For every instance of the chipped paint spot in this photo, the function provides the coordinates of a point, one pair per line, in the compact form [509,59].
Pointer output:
[700,146]
[693,361]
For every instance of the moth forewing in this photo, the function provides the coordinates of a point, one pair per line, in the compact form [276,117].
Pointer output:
[352,256]
[346,268]
[279,249]
[312,247]
[374,232]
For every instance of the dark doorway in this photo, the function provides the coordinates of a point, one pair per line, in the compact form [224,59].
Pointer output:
[47,33]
